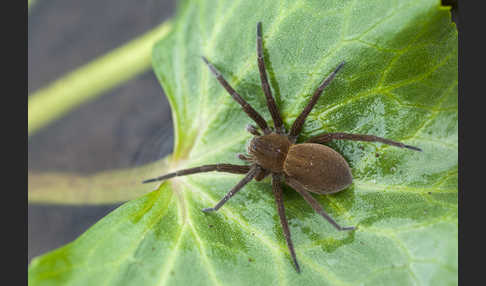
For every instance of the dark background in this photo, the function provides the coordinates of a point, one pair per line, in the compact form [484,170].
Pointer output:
[130,125]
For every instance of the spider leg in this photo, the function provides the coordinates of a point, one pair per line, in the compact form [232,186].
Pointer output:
[226,168]
[277,189]
[314,203]
[326,137]
[254,170]
[299,122]
[252,113]
[272,106]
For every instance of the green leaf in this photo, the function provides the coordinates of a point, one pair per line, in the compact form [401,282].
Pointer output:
[399,82]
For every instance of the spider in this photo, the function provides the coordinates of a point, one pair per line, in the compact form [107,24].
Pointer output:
[306,167]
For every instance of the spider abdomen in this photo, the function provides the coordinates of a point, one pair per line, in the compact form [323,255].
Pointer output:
[319,168]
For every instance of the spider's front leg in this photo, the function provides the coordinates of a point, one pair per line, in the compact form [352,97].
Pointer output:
[299,121]
[272,106]
[250,111]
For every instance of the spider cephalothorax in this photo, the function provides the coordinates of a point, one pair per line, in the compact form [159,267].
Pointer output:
[306,167]
[269,151]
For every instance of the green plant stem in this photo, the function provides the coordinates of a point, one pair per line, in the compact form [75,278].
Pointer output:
[93,79]
[108,187]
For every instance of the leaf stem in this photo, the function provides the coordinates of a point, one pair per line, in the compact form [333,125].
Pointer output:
[108,187]
[93,79]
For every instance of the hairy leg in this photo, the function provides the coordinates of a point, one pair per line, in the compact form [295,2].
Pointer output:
[277,190]
[326,137]
[226,168]
[252,113]
[314,203]
[254,170]
[272,106]
[299,122]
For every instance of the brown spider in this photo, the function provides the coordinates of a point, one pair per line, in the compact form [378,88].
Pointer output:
[306,167]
